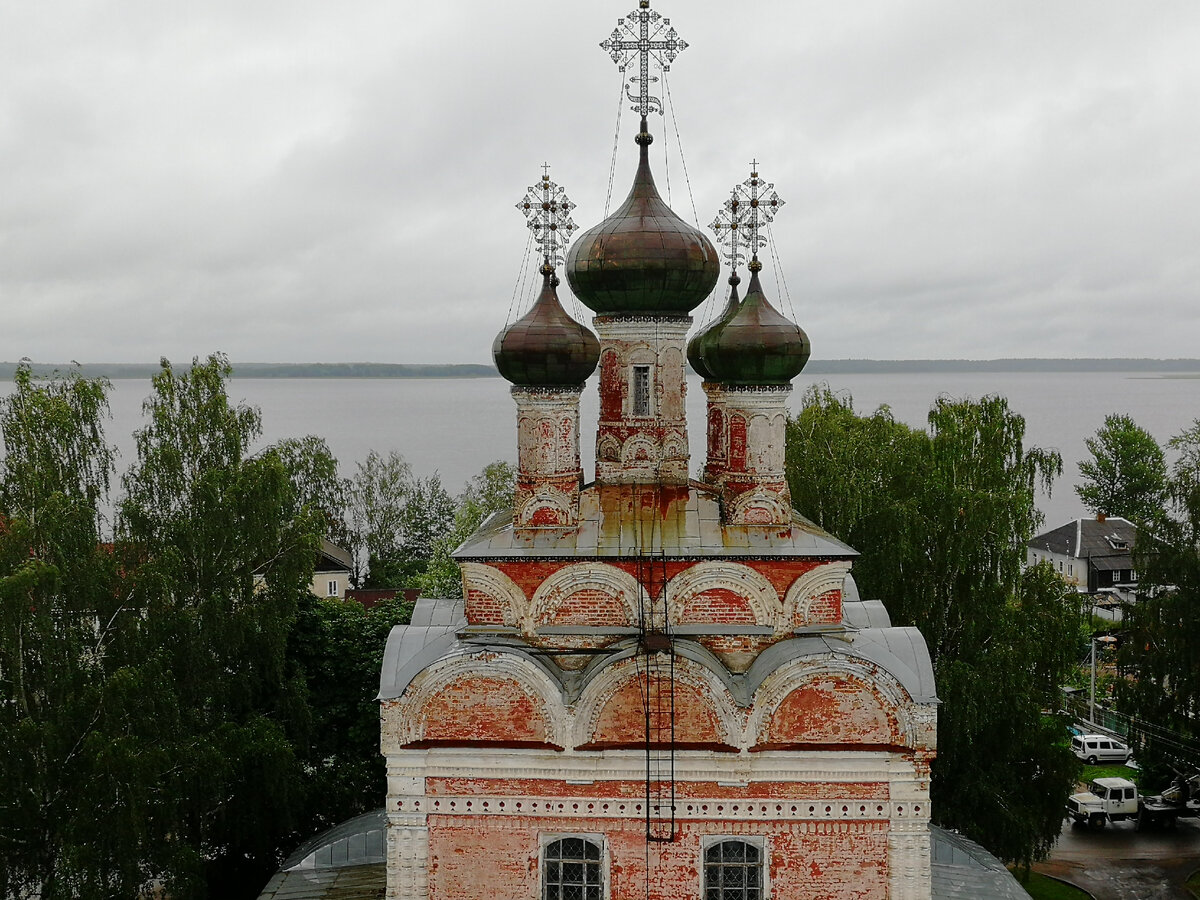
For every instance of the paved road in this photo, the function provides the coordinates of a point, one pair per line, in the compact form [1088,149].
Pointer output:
[1118,863]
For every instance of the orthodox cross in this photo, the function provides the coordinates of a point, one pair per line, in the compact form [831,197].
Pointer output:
[727,225]
[644,33]
[759,203]
[548,211]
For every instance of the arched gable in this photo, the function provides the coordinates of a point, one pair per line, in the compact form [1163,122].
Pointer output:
[799,601]
[740,587]
[584,594]
[491,596]
[832,700]
[612,708]
[486,697]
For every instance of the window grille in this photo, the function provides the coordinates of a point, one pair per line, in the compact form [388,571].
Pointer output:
[571,870]
[733,871]
[641,390]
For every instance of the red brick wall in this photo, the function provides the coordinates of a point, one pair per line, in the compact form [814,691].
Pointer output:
[622,719]
[481,858]
[588,607]
[636,790]
[719,605]
[476,708]
[836,710]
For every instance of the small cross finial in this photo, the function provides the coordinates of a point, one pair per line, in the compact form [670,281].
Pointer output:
[547,210]
[643,34]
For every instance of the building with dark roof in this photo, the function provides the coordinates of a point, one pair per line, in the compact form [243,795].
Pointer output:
[1095,555]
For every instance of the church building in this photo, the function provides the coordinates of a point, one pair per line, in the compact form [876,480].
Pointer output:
[661,682]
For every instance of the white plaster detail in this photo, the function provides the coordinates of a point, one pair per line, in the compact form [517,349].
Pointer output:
[759,506]
[640,450]
[797,602]
[491,581]
[608,449]
[571,579]
[910,875]
[719,575]
[562,512]
[407,857]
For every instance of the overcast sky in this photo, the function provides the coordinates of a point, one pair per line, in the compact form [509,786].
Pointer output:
[316,181]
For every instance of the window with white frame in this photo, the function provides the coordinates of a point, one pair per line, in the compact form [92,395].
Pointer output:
[572,869]
[332,590]
[641,390]
[733,870]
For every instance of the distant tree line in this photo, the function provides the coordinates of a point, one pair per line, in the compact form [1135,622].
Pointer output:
[177,710]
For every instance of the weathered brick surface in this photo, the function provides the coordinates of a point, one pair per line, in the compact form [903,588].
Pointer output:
[836,710]
[478,857]
[482,708]
[587,607]
[636,790]
[484,609]
[621,721]
[716,606]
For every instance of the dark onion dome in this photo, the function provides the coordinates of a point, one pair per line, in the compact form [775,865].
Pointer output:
[695,347]
[757,345]
[643,259]
[546,347]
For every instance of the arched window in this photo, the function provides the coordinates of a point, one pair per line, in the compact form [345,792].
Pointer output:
[733,871]
[571,870]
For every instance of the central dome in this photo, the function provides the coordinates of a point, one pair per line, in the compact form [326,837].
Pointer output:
[643,259]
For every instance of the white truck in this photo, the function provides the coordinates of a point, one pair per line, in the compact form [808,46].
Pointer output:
[1116,799]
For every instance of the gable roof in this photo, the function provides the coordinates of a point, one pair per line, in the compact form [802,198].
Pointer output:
[1089,538]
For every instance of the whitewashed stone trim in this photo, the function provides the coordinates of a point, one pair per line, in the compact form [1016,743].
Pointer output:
[909,869]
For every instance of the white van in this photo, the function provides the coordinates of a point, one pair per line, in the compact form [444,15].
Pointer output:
[1099,748]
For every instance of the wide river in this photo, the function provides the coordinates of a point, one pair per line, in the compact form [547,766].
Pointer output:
[456,426]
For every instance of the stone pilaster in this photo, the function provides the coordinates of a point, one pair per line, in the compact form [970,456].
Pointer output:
[642,433]
[407,840]
[549,474]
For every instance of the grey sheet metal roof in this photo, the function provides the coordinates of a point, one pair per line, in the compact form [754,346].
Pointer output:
[431,635]
[900,651]
[866,614]
[962,870]
[629,520]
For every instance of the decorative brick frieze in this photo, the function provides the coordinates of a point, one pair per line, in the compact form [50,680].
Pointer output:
[747,431]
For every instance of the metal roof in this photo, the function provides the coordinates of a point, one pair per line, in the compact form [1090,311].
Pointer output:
[962,870]
[629,520]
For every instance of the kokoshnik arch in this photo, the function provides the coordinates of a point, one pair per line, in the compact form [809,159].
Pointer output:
[655,687]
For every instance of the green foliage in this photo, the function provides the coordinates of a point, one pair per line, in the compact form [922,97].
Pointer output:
[488,492]
[941,519]
[1043,887]
[339,647]
[318,488]
[1127,473]
[218,550]
[1161,652]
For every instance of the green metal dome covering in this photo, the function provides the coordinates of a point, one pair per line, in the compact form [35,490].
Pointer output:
[756,345]
[643,259]
[546,347]
[695,347]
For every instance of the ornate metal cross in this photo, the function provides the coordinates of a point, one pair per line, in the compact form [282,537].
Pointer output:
[548,211]
[644,33]
[727,225]
[758,203]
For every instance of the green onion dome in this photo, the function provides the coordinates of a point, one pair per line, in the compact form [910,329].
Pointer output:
[546,347]
[756,345]
[643,259]
[695,347]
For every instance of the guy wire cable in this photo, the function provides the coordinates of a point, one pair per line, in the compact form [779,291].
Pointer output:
[779,276]
[518,286]
[612,165]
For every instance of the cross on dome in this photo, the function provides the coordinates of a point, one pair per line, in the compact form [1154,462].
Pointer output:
[644,33]
[727,226]
[757,202]
[548,211]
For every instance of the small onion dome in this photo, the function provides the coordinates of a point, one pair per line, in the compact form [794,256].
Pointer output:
[643,259]
[757,345]
[695,347]
[546,347]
